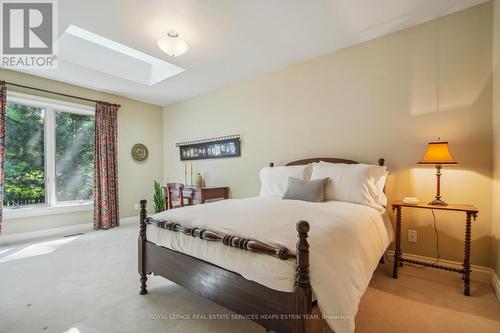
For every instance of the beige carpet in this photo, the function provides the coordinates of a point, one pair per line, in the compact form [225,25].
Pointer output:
[426,300]
[89,284]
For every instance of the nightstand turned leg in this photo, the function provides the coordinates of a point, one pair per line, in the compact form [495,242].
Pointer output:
[397,252]
[467,255]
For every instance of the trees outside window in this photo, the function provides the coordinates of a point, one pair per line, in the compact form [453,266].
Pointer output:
[24,168]
[74,156]
[48,153]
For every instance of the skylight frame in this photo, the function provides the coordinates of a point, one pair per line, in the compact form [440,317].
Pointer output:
[158,67]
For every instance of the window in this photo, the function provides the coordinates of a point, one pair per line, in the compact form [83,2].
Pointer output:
[24,156]
[49,148]
[74,156]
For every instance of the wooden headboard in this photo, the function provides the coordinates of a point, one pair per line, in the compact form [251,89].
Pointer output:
[381,161]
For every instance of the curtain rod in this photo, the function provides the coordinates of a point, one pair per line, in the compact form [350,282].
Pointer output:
[56,93]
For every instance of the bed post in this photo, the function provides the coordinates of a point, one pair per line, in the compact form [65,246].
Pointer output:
[142,248]
[381,162]
[303,296]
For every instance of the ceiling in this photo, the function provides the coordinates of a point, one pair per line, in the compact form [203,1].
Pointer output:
[231,40]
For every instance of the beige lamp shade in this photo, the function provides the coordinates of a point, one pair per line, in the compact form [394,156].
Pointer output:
[437,153]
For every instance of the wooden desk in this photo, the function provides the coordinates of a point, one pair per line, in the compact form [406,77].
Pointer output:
[470,212]
[201,194]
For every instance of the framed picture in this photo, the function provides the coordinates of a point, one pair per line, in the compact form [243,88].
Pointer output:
[222,147]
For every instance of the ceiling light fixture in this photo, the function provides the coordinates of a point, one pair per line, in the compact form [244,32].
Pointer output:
[172,44]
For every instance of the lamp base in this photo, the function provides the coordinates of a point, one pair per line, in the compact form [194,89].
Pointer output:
[438,202]
[437,199]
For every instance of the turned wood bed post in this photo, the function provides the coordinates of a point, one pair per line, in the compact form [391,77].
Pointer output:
[142,248]
[303,293]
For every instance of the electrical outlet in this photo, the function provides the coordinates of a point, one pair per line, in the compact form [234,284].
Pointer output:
[136,206]
[412,236]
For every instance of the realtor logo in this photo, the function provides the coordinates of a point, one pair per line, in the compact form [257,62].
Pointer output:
[28,33]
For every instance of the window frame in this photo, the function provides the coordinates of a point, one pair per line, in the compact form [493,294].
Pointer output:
[50,107]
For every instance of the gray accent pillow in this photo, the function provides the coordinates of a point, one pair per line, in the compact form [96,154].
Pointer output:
[299,189]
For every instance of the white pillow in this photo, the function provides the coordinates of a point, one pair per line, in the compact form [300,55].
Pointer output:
[380,183]
[358,183]
[274,180]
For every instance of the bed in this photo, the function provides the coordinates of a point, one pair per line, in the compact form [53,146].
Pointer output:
[238,253]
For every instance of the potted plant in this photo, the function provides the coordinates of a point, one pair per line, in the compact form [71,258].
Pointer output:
[158,199]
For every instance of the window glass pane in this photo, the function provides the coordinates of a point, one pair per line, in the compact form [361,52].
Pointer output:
[74,156]
[24,156]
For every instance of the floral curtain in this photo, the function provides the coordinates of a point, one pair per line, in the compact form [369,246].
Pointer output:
[106,167]
[3,110]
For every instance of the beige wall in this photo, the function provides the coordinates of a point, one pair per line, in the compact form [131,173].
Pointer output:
[137,122]
[496,137]
[376,99]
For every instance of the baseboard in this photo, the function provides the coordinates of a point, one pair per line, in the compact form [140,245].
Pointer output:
[38,235]
[495,283]
[32,236]
[130,220]
[478,273]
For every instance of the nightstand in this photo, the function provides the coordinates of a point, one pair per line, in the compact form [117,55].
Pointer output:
[470,212]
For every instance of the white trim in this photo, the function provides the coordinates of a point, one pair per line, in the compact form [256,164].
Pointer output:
[495,283]
[130,220]
[49,123]
[12,239]
[34,236]
[37,101]
[478,273]
[49,107]
[42,210]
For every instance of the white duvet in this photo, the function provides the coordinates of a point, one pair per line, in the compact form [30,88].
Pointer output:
[346,243]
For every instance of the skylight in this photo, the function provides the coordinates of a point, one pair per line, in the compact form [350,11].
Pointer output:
[87,49]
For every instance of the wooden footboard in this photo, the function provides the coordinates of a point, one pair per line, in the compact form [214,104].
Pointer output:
[275,310]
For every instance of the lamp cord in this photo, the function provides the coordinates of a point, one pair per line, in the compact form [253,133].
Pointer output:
[437,237]
[438,256]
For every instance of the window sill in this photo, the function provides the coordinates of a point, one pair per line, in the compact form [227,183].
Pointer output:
[42,210]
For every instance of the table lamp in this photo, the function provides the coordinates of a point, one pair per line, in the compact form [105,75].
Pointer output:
[437,153]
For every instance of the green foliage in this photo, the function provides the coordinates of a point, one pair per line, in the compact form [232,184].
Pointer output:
[159,200]
[24,168]
[74,156]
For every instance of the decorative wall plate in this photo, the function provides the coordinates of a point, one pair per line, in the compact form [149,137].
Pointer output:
[139,152]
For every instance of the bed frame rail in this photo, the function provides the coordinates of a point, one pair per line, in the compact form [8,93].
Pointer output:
[232,241]
[275,310]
